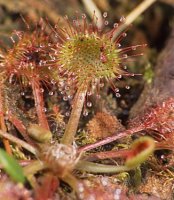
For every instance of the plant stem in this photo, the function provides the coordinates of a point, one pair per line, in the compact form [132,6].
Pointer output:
[91,8]
[20,127]
[31,169]
[2,121]
[132,16]
[100,168]
[72,125]
[71,181]
[34,167]
[18,142]
[39,101]
[111,139]
[109,154]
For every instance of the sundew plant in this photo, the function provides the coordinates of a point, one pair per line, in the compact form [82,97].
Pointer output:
[54,66]
[87,57]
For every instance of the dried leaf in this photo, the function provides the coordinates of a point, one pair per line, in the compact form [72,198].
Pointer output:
[103,125]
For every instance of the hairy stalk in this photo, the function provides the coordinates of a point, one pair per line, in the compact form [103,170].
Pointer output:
[2,122]
[72,125]
[100,168]
[18,142]
[39,101]
[111,139]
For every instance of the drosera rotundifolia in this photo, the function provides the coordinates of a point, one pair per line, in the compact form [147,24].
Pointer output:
[78,59]
[87,57]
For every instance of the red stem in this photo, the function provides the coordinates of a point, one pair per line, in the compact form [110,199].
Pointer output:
[111,139]
[20,126]
[109,154]
[39,101]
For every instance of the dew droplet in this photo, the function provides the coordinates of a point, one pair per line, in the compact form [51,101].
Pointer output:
[116,90]
[22,93]
[41,45]
[118,95]
[62,92]
[118,45]
[115,25]
[40,64]
[85,113]
[89,104]
[74,21]
[42,90]
[51,93]
[70,96]
[89,93]
[53,81]
[44,109]
[124,67]
[122,19]
[67,114]
[124,34]
[127,87]
[119,76]
[83,16]
[56,36]
[67,87]
[106,23]
[105,14]
[65,98]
